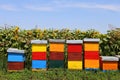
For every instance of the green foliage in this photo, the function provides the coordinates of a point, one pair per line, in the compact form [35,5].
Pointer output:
[60,75]
[17,38]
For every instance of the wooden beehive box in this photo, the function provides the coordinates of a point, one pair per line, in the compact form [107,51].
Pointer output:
[91,53]
[118,61]
[109,63]
[74,54]
[16,59]
[39,54]
[56,53]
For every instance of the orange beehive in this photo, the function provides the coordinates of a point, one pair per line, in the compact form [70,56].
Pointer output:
[109,63]
[91,54]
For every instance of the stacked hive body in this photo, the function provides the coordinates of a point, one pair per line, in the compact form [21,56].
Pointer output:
[109,63]
[39,54]
[56,53]
[91,54]
[74,51]
[16,59]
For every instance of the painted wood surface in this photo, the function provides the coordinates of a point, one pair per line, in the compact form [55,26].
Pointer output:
[56,56]
[39,56]
[91,46]
[15,65]
[39,64]
[74,48]
[39,47]
[91,55]
[91,64]
[74,56]
[109,65]
[14,57]
[56,63]
[56,47]
[75,65]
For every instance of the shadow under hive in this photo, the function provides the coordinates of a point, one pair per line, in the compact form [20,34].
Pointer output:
[16,59]
[91,54]
[74,53]
[56,53]
[39,54]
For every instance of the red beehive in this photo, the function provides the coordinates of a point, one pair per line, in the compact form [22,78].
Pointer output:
[15,65]
[56,56]
[74,51]
[91,55]
[74,56]
[38,55]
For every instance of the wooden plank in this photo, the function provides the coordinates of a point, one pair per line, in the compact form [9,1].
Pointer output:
[39,56]
[91,63]
[56,47]
[74,48]
[91,46]
[75,56]
[109,65]
[39,47]
[56,56]
[15,65]
[75,65]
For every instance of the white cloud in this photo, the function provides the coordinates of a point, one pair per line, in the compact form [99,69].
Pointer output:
[109,7]
[92,6]
[39,8]
[56,5]
[8,7]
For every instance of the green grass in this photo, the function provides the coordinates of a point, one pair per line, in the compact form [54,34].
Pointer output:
[60,75]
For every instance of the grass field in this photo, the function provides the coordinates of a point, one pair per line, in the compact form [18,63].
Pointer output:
[60,75]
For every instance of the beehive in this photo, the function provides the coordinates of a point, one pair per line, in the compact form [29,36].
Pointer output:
[109,63]
[74,53]
[56,53]
[91,54]
[39,54]
[118,56]
[16,59]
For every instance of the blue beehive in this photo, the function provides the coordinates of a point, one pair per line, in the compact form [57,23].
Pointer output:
[16,59]
[15,55]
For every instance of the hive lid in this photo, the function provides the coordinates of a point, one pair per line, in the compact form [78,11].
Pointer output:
[117,56]
[74,42]
[38,41]
[57,40]
[91,40]
[15,50]
[109,58]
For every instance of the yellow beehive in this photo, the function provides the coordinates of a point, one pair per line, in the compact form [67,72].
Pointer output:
[57,47]
[91,46]
[39,47]
[91,64]
[75,65]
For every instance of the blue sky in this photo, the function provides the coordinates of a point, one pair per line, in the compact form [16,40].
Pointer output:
[58,14]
